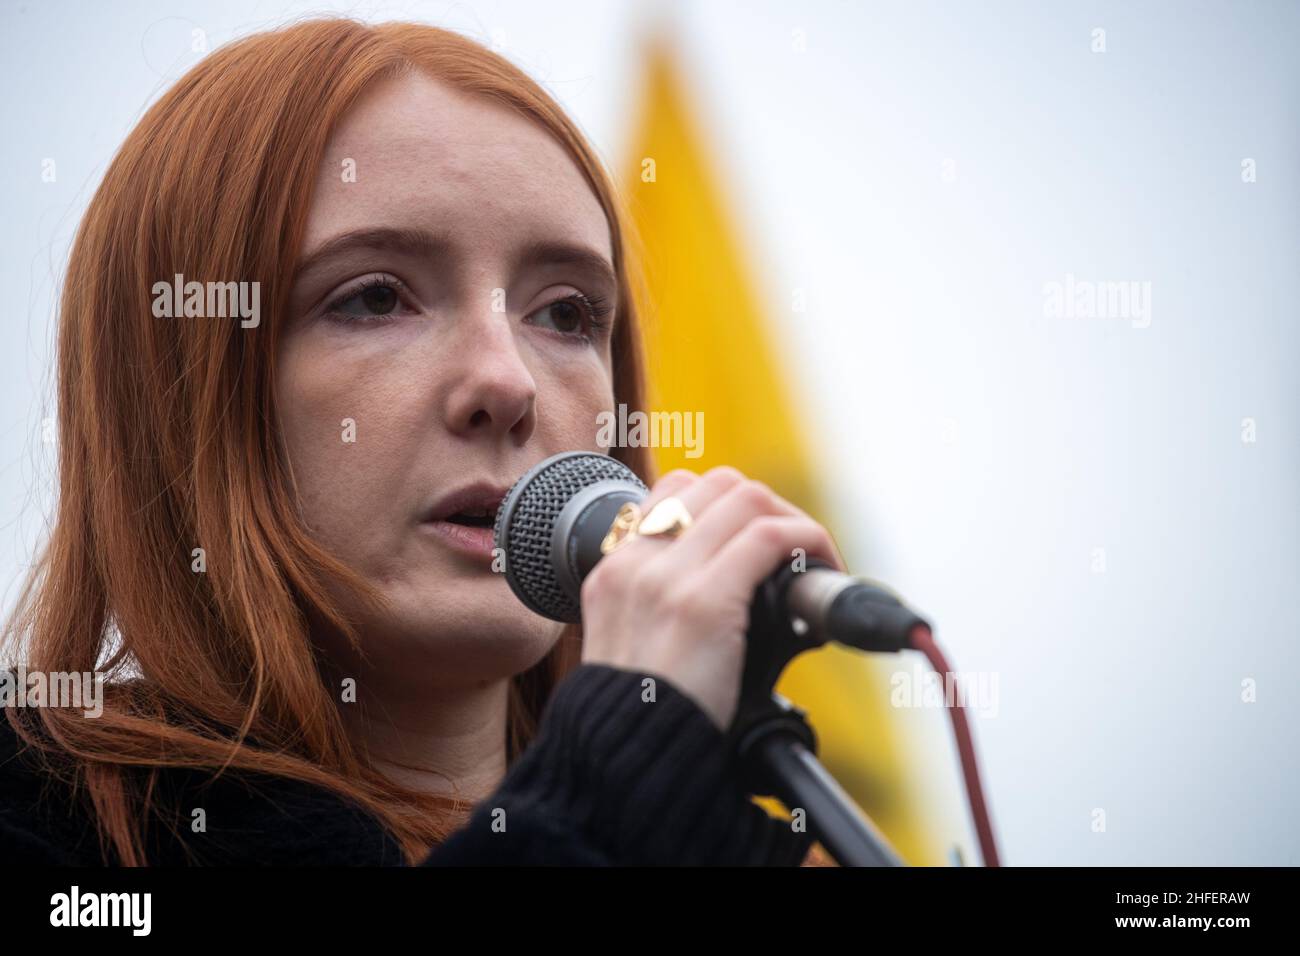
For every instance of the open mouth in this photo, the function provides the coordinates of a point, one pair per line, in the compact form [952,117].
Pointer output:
[476,518]
[464,520]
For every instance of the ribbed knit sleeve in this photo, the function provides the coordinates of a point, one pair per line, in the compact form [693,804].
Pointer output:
[617,779]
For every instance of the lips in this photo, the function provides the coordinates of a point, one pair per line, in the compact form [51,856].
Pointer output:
[472,504]
[463,518]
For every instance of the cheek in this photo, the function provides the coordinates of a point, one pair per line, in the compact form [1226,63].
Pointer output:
[341,422]
[569,405]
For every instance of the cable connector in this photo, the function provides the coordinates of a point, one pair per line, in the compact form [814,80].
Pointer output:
[869,617]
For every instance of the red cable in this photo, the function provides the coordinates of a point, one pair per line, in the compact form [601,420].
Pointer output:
[922,640]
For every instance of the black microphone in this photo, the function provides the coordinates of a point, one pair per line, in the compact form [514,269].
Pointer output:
[551,523]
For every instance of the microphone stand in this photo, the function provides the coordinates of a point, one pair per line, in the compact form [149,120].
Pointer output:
[776,747]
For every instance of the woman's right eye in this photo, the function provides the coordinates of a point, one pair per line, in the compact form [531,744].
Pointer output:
[378,297]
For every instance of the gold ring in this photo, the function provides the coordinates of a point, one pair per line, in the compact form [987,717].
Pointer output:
[623,528]
[668,519]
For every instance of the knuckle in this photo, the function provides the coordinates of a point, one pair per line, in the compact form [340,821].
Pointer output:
[757,495]
[648,580]
[725,475]
[767,530]
[611,575]
[676,476]
[687,604]
[808,531]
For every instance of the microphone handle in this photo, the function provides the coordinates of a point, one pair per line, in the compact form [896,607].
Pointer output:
[834,606]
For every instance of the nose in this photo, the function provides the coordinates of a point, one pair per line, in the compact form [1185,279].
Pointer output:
[495,393]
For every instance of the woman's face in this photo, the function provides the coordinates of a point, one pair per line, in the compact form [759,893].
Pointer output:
[448,329]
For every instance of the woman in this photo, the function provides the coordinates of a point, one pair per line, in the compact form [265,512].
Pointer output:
[270,529]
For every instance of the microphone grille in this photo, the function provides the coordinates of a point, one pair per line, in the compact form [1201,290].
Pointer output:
[526,521]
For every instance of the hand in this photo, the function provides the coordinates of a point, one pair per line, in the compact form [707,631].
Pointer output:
[679,607]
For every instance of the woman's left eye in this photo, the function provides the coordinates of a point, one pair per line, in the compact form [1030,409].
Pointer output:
[576,315]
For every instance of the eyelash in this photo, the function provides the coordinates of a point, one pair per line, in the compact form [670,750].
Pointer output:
[597,307]
[598,311]
[334,309]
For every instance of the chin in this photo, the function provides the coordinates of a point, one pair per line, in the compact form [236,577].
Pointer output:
[472,633]
[451,623]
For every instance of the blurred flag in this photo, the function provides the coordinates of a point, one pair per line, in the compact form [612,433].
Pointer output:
[709,351]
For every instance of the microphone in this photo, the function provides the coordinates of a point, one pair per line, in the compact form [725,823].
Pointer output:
[551,523]
[549,528]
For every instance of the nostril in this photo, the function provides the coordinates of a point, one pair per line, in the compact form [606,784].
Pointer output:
[480,417]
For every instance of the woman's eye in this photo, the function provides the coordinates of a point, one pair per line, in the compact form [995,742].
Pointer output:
[583,318]
[376,300]
[564,315]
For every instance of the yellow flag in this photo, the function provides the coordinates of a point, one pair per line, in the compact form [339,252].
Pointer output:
[709,351]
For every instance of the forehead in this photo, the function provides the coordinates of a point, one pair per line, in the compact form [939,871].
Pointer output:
[427,155]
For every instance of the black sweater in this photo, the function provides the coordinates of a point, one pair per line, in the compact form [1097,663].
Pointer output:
[609,780]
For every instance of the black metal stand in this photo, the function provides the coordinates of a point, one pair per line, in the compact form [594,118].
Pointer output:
[777,748]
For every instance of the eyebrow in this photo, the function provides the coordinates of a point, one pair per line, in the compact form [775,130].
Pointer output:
[386,239]
[423,242]
[547,252]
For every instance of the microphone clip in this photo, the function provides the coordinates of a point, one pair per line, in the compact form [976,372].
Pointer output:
[772,641]
[773,746]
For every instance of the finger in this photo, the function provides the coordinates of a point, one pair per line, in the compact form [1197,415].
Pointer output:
[695,493]
[713,484]
[730,513]
[672,483]
[763,545]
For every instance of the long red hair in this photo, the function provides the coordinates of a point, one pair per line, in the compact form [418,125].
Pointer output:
[168,440]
